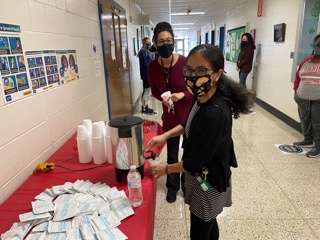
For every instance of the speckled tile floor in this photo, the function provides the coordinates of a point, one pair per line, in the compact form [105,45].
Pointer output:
[276,196]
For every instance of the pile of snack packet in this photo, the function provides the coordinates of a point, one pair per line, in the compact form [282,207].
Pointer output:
[79,210]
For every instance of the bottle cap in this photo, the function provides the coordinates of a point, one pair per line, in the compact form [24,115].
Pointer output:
[133,167]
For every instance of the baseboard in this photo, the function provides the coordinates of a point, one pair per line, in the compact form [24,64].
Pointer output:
[283,117]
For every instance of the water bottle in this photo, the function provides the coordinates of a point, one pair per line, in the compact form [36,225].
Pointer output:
[134,187]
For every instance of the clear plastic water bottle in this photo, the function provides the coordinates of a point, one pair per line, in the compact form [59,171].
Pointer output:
[134,187]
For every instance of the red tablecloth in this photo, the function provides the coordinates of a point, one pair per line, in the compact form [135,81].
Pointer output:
[139,226]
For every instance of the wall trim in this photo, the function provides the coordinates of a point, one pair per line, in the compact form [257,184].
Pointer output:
[283,117]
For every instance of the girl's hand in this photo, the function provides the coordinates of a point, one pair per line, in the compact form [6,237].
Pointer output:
[156,141]
[158,170]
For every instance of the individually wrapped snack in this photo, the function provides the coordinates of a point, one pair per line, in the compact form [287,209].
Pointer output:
[57,190]
[88,232]
[67,187]
[111,194]
[18,230]
[44,196]
[42,227]
[64,211]
[73,234]
[122,208]
[36,236]
[83,197]
[56,227]
[78,220]
[15,233]
[50,192]
[103,188]
[95,187]
[55,236]
[64,198]
[40,206]
[25,217]
[77,184]
[84,188]
[104,208]
[87,208]
[111,234]
[116,195]
[106,221]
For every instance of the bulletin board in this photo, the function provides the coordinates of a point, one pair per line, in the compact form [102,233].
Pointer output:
[233,43]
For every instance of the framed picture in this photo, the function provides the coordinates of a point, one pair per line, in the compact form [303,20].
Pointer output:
[135,46]
[279,32]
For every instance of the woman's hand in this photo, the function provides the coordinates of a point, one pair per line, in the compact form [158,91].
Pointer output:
[158,170]
[238,69]
[175,97]
[156,141]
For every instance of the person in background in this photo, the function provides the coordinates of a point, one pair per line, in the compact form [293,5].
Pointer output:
[209,151]
[245,58]
[153,50]
[144,60]
[165,74]
[307,96]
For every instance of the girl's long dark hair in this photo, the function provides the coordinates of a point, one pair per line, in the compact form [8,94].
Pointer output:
[239,99]
[250,39]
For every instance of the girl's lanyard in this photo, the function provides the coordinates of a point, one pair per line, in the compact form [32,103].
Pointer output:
[167,74]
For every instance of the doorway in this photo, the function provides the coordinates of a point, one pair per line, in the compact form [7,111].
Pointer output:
[115,50]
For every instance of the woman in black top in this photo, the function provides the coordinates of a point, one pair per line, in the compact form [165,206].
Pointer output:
[208,146]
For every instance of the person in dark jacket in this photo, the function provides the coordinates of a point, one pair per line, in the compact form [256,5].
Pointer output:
[245,58]
[208,146]
[144,60]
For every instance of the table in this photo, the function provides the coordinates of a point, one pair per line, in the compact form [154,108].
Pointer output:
[139,226]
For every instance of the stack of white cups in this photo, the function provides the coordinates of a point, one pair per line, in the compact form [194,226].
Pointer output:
[98,143]
[88,124]
[108,144]
[84,144]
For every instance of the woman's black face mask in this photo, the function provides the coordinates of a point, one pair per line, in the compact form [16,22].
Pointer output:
[165,50]
[199,85]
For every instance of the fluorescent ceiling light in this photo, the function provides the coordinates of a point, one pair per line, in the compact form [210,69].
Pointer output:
[191,13]
[180,29]
[176,24]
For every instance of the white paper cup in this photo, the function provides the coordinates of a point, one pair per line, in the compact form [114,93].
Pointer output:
[82,132]
[97,131]
[88,124]
[166,95]
[155,161]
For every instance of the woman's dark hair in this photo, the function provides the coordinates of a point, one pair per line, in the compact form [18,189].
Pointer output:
[239,99]
[250,39]
[316,38]
[161,27]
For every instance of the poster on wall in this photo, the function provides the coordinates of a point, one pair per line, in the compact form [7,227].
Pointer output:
[63,65]
[14,79]
[233,43]
[73,64]
[51,68]
[67,65]
[36,71]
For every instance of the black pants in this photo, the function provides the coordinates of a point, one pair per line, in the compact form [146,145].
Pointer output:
[201,230]
[173,180]
[309,113]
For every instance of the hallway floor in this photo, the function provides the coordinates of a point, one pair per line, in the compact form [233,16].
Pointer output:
[275,195]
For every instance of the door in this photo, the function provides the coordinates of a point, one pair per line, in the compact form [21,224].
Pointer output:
[213,37]
[115,44]
[179,46]
[221,41]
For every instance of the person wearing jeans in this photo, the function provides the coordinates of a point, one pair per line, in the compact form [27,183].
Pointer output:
[245,58]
